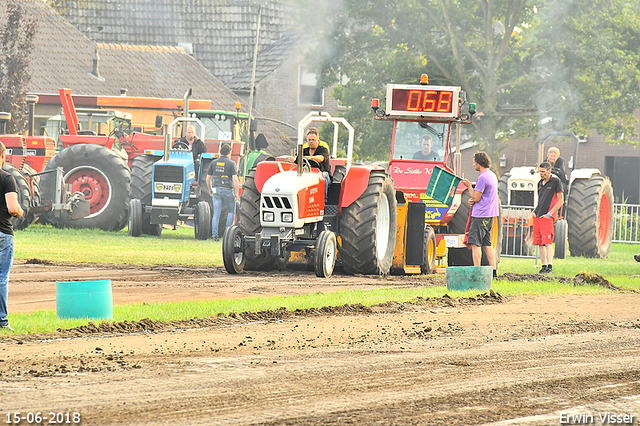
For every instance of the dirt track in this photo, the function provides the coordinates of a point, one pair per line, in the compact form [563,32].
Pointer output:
[525,360]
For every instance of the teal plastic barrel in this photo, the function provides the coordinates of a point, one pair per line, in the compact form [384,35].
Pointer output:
[469,277]
[84,299]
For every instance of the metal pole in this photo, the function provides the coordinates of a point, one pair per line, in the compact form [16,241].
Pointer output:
[253,81]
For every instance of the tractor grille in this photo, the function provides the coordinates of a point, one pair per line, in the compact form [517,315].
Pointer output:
[277,202]
[168,174]
[521,198]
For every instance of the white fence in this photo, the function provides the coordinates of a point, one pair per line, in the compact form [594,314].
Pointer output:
[625,223]
[517,240]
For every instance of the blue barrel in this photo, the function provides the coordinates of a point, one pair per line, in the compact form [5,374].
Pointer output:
[469,277]
[84,299]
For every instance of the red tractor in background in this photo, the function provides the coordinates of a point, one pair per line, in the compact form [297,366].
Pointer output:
[100,167]
[26,156]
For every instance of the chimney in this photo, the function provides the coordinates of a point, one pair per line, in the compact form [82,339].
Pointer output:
[96,63]
[123,91]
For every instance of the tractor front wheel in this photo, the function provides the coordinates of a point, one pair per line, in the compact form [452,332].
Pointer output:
[326,251]
[135,218]
[233,254]
[428,265]
[202,226]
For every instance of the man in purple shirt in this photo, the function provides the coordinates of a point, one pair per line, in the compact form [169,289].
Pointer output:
[484,208]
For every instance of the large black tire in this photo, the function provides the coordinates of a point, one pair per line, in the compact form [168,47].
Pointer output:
[101,175]
[24,197]
[428,264]
[560,239]
[458,223]
[36,194]
[141,173]
[325,254]
[135,218]
[202,221]
[368,228]
[249,224]
[503,188]
[590,217]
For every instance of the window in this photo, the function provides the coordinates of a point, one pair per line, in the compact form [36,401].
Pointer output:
[309,92]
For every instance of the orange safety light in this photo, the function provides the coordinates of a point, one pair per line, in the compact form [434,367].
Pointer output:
[375,103]
[238,105]
[424,79]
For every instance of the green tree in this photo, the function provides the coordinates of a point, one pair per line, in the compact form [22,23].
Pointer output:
[571,65]
[16,47]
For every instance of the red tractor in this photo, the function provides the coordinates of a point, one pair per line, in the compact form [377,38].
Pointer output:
[367,225]
[107,169]
[423,163]
[26,155]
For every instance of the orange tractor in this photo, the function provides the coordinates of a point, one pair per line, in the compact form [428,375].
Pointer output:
[368,224]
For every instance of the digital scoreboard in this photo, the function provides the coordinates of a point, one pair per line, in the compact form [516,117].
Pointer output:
[423,101]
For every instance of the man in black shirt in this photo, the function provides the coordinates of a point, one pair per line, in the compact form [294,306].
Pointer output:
[320,155]
[9,206]
[194,143]
[223,184]
[550,199]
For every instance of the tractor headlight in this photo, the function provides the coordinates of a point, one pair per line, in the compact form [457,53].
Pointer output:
[287,217]
[268,216]
[530,185]
[514,185]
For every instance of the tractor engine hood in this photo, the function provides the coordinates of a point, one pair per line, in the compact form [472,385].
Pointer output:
[290,201]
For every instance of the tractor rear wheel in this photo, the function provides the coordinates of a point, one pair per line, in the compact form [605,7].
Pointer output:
[104,179]
[560,239]
[458,223]
[141,174]
[249,223]
[503,188]
[590,217]
[368,228]
[24,197]
[428,265]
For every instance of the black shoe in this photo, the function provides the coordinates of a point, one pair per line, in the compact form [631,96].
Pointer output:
[216,238]
[6,327]
[495,274]
[549,269]
[544,270]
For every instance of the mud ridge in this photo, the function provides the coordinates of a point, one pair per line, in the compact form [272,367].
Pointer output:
[148,325]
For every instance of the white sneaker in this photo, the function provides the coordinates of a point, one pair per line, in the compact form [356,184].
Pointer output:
[6,327]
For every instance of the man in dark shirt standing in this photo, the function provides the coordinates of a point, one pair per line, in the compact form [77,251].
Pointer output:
[550,199]
[223,184]
[9,206]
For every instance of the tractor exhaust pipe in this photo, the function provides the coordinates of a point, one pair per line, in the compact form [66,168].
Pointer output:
[300,159]
[185,103]
[167,142]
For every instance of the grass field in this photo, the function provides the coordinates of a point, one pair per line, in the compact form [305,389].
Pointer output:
[179,247]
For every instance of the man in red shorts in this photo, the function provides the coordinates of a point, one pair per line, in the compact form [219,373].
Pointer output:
[550,199]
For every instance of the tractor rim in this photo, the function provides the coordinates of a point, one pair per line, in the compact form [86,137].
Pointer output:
[382,226]
[330,253]
[95,186]
[604,220]
[431,251]
[238,254]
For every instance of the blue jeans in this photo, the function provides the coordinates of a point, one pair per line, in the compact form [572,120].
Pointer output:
[6,259]
[327,181]
[220,196]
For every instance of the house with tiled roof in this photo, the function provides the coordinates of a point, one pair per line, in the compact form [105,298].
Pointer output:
[111,73]
[220,34]
[286,88]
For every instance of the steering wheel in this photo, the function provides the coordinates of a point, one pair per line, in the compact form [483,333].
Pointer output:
[308,164]
[180,145]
